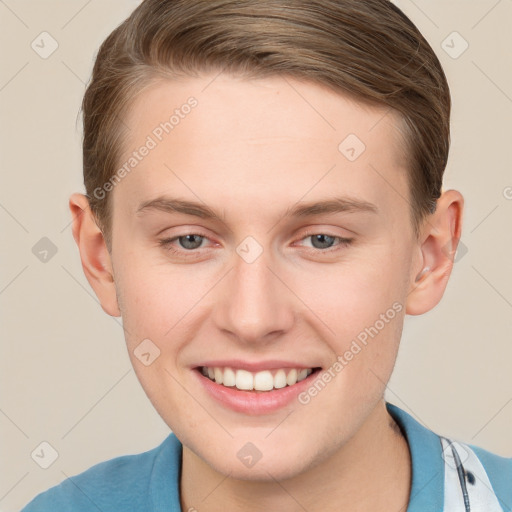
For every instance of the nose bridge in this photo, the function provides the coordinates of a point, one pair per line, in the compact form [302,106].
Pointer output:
[256,305]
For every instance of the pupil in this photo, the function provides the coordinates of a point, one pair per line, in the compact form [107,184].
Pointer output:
[187,239]
[322,239]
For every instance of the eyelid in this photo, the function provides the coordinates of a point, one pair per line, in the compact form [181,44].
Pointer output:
[343,241]
[172,238]
[167,242]
[320,231]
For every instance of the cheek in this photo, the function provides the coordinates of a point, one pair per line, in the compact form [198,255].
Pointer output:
[353,294]
[157,297]
[362,306]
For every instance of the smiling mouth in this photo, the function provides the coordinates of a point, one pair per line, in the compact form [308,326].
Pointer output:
[263,381]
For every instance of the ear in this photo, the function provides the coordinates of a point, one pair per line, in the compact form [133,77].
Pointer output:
[439,241]
[96,259]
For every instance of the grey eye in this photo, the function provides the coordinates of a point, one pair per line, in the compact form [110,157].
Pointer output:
[321,241]
[190,241]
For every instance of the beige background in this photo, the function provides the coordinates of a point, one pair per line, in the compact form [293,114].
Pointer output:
[65,375]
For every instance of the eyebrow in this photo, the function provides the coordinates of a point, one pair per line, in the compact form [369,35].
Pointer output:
[334,205]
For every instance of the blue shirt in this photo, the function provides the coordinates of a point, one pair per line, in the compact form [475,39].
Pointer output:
[149,482]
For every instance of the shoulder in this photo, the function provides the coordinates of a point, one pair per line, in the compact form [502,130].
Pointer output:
[499,472]
[122,483]
[492,462]
[446,470]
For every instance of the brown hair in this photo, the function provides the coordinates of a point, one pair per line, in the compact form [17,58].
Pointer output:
[367,49]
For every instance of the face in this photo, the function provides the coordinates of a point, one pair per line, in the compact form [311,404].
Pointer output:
[255,277]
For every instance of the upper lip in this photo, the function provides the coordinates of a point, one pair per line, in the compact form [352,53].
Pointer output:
[254,366]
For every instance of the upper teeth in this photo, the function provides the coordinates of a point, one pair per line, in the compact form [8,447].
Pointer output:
[260,381]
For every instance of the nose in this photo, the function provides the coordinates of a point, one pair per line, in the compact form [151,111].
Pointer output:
[254,305]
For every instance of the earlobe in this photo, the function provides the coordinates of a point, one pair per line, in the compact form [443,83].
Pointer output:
[441,236]
[95,257]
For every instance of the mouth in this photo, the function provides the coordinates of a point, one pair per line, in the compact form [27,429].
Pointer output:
[256,382]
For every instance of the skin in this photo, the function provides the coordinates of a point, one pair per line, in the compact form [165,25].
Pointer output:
[250,150]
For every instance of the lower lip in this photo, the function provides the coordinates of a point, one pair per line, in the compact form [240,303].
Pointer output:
[253,402]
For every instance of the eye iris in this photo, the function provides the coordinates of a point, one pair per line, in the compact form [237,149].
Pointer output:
[187,239]
[322,239]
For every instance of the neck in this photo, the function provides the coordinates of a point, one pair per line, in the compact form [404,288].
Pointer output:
[371,472]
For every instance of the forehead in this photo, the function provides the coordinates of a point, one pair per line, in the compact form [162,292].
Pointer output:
[268,108]
[230,141]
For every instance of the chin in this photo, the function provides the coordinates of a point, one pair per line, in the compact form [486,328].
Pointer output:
[268,471]
[275,466]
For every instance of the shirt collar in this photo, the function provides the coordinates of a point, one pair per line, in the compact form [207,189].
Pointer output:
[427,489]
[164,485]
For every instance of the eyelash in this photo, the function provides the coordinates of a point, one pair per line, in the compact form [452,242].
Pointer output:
[166,243]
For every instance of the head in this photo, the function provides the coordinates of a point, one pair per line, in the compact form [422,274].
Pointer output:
[266,116]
